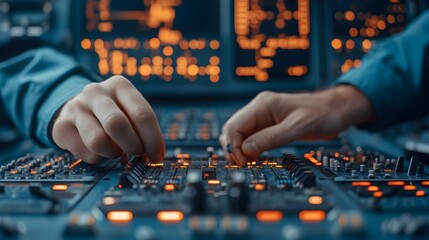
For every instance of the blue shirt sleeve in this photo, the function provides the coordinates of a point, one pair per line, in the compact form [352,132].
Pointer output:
[35,85]
[394,76]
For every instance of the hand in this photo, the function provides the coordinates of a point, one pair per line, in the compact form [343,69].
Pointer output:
[108,120]
[271,120]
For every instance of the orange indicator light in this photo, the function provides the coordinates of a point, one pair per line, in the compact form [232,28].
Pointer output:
[425,183]
[269,216]
[59,187]
[420,193]
[169,187]
[377,194]
[373,188]
[170,216]
[259,187]
[361,184]
[213,182]
[312,215]
[396,183]
[315,200]
[120,216]
[410,187]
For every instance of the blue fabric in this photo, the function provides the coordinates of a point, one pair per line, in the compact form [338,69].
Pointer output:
[34,85]
[394,76]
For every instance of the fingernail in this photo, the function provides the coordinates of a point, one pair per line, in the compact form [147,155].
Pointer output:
[250,147]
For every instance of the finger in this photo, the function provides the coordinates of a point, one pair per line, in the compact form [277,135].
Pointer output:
[143,119]
[94,137]
[254,116]
[116,124]
[229,157]
[75,145]
[268,138]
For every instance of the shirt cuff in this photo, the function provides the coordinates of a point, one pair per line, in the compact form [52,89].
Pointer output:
[53,103]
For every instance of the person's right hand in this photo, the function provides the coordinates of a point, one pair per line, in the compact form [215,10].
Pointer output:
[273,119]
[108,120]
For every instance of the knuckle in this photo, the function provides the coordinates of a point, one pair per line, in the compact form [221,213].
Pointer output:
[266,96]
[144,115]
[98,142]
[118,81]
[92,88]
[115,121]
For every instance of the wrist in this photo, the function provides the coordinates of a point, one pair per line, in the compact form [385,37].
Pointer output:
[350,105]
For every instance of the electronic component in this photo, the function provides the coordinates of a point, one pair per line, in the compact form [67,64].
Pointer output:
[200,194]
[54,182]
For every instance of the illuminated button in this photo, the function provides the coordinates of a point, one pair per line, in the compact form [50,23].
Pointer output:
[410,187]
[315,200]
[120,216]
[396,183]
[312,215]
[170,216]
[361,184]
[182,155]
[169,187]
[259,187]
[213,182]
[269,216]
[373,188]
[377,194]
[425,183]
[59,187]
[109,201]
[420,193]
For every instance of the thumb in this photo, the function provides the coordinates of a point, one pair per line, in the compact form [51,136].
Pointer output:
[266,139]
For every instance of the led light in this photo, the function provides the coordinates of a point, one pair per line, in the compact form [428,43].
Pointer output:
[373,188]
[420,193]
[269,216]
[170,216]
[396,183]
[315,200]
[410,187]
[109,201]
[377,194]
[59,187]
[169,187]
[425,183]
[213,182]
[312,215]
[361,184]
[182,155]
[120,216]
[259,187]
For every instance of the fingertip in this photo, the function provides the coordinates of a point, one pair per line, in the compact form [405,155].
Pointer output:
[156,158]
[250,148]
